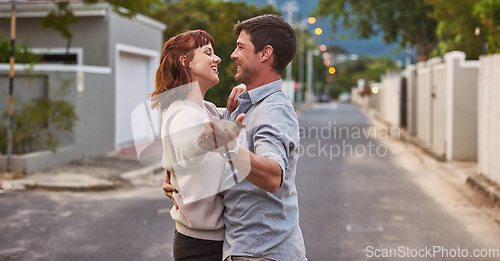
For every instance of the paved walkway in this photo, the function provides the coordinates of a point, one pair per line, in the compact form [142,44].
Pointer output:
[112,171]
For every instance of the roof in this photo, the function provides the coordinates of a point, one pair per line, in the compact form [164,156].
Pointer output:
[40,8]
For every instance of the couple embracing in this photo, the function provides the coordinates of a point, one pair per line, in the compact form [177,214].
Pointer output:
[231,172]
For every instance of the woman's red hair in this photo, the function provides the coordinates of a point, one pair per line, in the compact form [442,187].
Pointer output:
[171,72]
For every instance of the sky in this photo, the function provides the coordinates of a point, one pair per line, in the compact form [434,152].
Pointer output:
[374,46]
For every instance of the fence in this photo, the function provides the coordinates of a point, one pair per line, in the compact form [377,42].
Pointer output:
[489,117]
[437,102]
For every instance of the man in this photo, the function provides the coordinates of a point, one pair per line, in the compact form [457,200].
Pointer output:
[261,211]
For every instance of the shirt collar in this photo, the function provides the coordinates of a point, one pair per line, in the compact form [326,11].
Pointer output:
[259,93]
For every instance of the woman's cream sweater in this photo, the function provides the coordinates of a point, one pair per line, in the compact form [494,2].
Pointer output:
[196,174]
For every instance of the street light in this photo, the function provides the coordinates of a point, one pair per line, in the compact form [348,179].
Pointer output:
[309,59]
[332,70]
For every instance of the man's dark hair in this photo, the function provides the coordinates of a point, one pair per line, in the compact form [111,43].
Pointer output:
[271,30]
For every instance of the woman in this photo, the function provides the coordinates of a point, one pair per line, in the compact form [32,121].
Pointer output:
[188,68]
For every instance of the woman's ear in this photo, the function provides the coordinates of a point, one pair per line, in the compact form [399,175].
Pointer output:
[266,53]
[182,60]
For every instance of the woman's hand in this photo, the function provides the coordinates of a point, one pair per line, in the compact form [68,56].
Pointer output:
[220,135]
[232,101]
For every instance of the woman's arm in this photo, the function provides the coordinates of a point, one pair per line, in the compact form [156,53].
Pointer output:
[184,129]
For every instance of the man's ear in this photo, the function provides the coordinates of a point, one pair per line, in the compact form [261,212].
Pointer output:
[266,53]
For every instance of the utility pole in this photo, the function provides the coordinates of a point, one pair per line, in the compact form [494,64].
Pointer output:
[11,85]
[309,97]
[301,71]
[289,8]
[310,69]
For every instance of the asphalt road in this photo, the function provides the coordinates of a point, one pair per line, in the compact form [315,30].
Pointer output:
[369,194]
[361,195]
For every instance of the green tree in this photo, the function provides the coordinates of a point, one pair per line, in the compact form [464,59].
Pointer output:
[368,68]
[39,123]
[218,19]
[456,28]
[488,13]
[403,21]
[21,53]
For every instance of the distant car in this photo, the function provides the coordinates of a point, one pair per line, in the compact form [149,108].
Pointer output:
[345,97]
[324,98]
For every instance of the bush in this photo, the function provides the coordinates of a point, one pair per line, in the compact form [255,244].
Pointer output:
[38,124]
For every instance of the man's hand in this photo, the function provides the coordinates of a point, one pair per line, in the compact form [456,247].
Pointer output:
[169,189]
[232,101]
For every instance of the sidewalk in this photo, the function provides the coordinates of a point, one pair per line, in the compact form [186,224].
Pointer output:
[112,171]
[465,172]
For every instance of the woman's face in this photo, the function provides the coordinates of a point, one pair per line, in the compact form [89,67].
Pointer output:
[204,66]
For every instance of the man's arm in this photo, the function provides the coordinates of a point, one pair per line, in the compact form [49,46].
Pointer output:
[275,139]
[264,173]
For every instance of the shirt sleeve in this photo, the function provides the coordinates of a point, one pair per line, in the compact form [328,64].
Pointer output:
[276,135]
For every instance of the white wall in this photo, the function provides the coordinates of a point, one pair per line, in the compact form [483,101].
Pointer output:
[411,80]
[424,103]
[489,117]
[391,101]
[442,104]
[438,108]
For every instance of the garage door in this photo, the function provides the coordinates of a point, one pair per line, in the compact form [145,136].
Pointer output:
[133,86]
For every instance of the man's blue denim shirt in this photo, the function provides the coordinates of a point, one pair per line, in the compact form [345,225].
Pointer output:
[259,223]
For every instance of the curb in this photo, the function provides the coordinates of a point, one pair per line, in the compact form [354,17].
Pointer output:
[483,185]
[93,188]
[67,181]
[133,174]
[63,182]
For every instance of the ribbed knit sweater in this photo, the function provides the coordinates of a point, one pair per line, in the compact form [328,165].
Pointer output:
[196,174]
